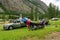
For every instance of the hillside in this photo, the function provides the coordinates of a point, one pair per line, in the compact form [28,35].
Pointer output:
[23,5]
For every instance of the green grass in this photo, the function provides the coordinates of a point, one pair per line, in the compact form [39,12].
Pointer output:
[23,33]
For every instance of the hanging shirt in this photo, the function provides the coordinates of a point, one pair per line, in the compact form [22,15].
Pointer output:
[24,20]
[28,23]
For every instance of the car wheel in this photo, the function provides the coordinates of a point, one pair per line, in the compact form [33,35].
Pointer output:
[10,28]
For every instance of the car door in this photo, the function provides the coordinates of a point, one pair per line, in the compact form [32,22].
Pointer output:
[17,24]
[23,24]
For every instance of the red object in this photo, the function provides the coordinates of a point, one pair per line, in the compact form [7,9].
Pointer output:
[28,23]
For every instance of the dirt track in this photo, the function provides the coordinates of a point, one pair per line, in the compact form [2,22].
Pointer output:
[53,36]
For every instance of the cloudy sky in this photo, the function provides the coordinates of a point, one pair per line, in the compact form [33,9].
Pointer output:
[55,2]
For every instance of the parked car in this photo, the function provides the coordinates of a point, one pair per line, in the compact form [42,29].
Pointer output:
[55,19]
[14,24]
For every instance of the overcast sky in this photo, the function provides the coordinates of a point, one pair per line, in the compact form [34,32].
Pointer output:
[55,2]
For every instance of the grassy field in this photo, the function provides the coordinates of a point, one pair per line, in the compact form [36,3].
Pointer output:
[24,34]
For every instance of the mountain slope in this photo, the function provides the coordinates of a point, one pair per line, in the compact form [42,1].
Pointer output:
[24,5]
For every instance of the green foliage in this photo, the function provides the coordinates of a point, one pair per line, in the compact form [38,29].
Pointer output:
[1,5]
[35,14]
[8,12]
[53,11]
